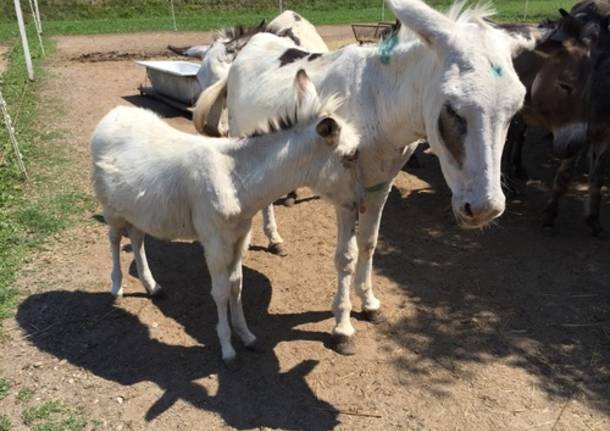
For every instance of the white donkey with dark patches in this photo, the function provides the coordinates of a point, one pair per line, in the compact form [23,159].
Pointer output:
[218,56]
[448,78]
[151,178]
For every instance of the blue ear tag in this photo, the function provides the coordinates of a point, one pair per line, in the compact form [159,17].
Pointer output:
[386,47]
[497,70]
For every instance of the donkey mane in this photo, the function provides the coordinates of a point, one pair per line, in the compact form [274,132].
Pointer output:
[302,115]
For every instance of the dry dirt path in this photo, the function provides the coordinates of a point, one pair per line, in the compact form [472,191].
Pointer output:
[501,329]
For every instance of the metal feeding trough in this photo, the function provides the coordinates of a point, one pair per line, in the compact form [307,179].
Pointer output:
[173,82]
[371,33]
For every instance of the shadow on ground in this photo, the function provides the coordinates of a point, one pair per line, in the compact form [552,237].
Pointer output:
[509,293]
[91,332]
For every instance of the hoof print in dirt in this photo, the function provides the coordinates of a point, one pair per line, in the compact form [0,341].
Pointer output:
[278,250]
[373,316]
[257,346]
[344,345]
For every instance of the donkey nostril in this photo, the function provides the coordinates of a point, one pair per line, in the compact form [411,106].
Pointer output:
[468,210]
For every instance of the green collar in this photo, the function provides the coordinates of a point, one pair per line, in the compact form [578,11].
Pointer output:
[376,188]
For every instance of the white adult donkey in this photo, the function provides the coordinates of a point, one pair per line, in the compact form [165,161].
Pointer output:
[450,80]
[151,178]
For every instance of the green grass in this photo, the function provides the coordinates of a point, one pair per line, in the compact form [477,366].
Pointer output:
[54,416]
[31,212]
[25,394]
[5,386]
[5,423]
[134,16]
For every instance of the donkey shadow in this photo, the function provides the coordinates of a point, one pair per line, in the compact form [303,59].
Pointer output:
[493,296]
[91,331]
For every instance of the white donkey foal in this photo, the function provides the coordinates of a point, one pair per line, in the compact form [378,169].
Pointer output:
[151,178]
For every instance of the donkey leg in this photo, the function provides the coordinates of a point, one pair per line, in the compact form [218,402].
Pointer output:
[345,259]
[114,234]
[270,228]
[368,232]
[221,291]
[560,186]
[238,319]
[596,176]
[519,170]
[139,254]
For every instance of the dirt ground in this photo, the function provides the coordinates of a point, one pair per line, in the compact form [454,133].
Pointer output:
[500,329]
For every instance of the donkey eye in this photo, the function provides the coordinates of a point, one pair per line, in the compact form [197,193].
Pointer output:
[566,87]
[456,119]
[453,130]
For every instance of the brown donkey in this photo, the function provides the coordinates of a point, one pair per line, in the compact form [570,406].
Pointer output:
[557,75]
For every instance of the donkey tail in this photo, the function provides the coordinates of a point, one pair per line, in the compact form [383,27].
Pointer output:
[179,50]
[205,103]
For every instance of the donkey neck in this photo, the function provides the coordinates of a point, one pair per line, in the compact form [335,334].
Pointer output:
[401,92]
[266,167]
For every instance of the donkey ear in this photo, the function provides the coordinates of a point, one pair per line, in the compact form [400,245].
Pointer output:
[590,34]
[305,89]
[432,26]
[329,129]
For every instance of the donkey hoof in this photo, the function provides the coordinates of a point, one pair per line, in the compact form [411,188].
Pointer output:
[373,316]
[289,202]
[232,364]
[278,249]
[117,294]
[257,346]
[344,345]
[156,291]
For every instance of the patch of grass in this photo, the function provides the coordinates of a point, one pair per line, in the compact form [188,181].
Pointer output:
[32,211]
[25,394]
[5,386]
[153,15]
[54,416]
[5,423]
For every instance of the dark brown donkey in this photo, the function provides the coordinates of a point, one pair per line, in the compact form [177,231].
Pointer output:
[598,125]
[556,75]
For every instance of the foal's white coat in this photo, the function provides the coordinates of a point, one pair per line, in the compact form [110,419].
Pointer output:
[455,65]
[151,178]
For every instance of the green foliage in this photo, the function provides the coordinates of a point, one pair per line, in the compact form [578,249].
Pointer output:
[5,386]
[5,423]
[25,394]
[111,16]
[54,416]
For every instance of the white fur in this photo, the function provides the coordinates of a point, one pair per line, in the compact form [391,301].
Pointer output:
[217,61]
[392,105]
[151,178]
[309,38]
